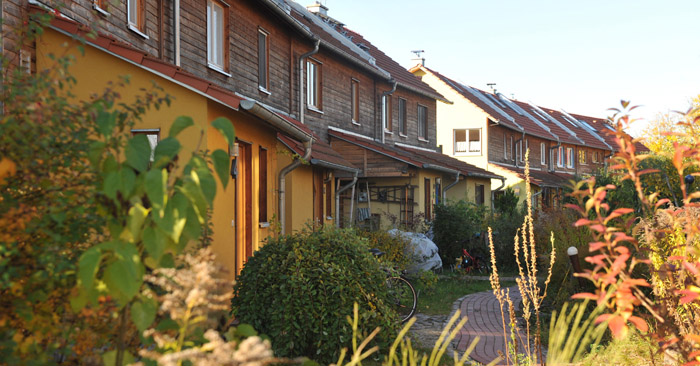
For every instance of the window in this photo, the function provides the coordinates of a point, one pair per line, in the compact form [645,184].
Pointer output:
[527,147]
[217,47]
[422,122]
[519,150]
[313,84]
[479,194]
[386,115]
[100,6]
[569,157]
[543,154]
[262,185]
[136,17]
[505,148]
[512,157]
[467,141]
[329,199]
[355,102]
[560,156]
[402,116]
[582,156]
[153,135]
[594,157]
[263,60]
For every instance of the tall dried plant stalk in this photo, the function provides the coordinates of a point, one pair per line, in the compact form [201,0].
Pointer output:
[532,295]
[498,292]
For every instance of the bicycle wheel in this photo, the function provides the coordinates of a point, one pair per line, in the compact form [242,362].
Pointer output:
[402,297]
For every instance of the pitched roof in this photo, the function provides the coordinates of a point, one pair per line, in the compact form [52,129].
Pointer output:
[415,157]
[404,78]
[540,178]
[607,131]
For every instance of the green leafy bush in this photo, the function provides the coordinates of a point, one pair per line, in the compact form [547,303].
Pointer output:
[506,202]
[455,226]
[299,289]
[394,247]
[505,226]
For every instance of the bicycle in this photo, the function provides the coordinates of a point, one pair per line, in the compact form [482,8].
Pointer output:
[474,263]
[401,293]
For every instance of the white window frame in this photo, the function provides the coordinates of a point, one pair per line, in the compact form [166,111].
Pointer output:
[403,119]
[512,156]
[570,157]
[355,101]
[560,157]
[214,45]
[313,85]
[527,146]
[543,154]
[386,115]
[134,24]
[422,132]
[505,147]
[467,143]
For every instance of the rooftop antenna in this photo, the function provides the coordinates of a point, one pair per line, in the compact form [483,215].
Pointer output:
[492,86]
[419,57]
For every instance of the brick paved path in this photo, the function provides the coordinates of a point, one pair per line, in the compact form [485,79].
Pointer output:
[484,320]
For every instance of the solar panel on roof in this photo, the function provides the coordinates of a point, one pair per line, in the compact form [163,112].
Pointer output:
[512,105]
[586,124]
[540,115]
[609,127]
[496,100]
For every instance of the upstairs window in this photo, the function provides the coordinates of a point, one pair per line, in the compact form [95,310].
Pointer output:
[386,115]
[560,157]
[505,147]
[355,100]
[136,17]
[467,141]
[217,47]
[543,154]
[101,6]
[422,122]
[527,147]
[263,60]
[582,156]
[313,84]
[512,156]
[402,116]
[569,157]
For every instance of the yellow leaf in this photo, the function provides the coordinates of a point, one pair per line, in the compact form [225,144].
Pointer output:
[7,168]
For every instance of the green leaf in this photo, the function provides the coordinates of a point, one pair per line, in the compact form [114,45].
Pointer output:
[78,302]
[155,242]
[165,152]
[105,123]
[138,152]
[143,313]
[137,215]
[194,193]
[124,275]
[88,265]
[126,180]
[245,331]
[95,152]
[156,188]
[222,165]
[180,124]
[110,358]
[193,229]
[225,126]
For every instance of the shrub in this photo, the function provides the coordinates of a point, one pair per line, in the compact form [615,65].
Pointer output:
[397,254]
[454,227]
[507,202]
[505,226]
[299,289]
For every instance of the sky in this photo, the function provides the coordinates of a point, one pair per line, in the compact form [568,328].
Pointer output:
[583,57]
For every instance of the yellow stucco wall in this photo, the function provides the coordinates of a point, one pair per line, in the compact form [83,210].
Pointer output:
[95,69]
[461,115]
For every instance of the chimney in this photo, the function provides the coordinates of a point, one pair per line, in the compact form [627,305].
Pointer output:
[318,9]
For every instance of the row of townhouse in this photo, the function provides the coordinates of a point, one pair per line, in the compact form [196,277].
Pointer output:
[493,132]
[329,129]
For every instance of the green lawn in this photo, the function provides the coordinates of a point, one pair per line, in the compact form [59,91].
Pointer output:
[449,288]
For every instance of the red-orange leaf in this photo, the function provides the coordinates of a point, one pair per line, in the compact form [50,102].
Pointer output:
[585,295]
[639,323]
[582,222]
[689,296]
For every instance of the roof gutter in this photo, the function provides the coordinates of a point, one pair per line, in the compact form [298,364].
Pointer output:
[274,119]
[329,165]
[337,199]
[302,105]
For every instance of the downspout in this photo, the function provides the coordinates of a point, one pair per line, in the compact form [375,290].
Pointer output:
[317,43]
[551,155]
[384,95]
[282,181]
[493,193]
[444,190]
[176,31]
[337,199]
[444,170]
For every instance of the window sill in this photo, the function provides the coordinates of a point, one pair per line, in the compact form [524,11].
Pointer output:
[137,31]
[329,218]
[477,153]
[314,109]
[100,10]
[402,135]
[388,132]
[264,225]
[264,90]
[355,123]
[218,69]
[422,139]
